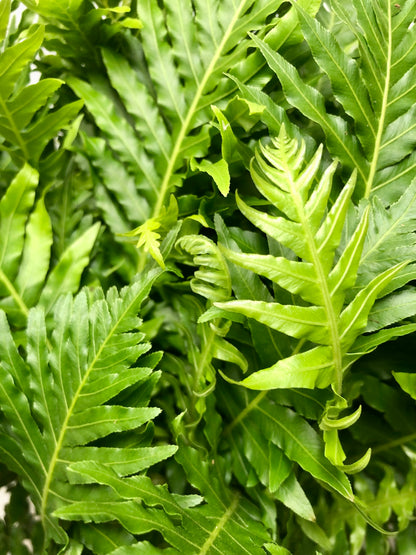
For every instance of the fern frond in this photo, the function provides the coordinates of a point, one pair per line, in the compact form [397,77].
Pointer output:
[271,432]
[26,273]
[163,120]
[225,523]
[376,135]
[212,279]
[25,130]
[280,174]
[390,236]
[201,346]
[149,233]
[319,278]
[61,398]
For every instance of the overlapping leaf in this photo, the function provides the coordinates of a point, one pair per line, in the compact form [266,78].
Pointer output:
[163,120]
[26,275]
[376,134]
[225,523]
[25,129]
[60,401]
[271,437]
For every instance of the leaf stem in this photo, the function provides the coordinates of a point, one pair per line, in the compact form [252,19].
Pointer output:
[257,399]
[394,443]
[322,278]
[251,406]
[16,297]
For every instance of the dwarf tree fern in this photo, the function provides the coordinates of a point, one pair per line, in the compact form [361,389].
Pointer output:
[263,154]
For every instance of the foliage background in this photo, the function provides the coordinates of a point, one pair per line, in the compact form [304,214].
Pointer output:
[207,264]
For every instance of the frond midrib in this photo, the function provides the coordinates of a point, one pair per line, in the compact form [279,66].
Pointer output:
[60,442]
[14,128]
[14,294]
[322,281]
[190,114]
[218,528]
[383,111]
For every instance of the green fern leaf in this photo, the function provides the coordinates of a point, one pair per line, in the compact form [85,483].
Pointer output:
[35,260]
[201,346]
[375,89]
[150,239]
[268,344]
[390,238]
[226,523]
[66,275]
[25,133]
[14,208]
[328,325]
[78,29]
[168,96]
[55,401]
[317,278]
[212,279]
[26,276]
[253,451]
[277,433]
[311,102]
[407,382]
[48,8]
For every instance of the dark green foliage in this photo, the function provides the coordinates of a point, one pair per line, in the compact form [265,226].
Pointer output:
[207,265]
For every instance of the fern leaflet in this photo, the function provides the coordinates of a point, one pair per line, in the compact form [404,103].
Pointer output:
[61,399]
[225,523]
[26,276]
[25,130]
[327,325]
[376,135]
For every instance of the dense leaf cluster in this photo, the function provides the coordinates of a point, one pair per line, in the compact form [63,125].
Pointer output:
[207,248]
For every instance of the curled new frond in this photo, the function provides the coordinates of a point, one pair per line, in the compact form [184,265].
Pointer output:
[212,279]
